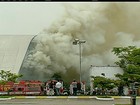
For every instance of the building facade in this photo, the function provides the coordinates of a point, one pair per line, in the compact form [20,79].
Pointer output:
[12,51]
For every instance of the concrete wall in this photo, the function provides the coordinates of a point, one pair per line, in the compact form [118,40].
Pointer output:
[109,71]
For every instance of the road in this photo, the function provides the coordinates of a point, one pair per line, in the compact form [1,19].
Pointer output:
[64,102]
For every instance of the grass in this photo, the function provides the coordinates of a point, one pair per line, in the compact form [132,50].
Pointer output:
[104,97]
[5,96]
[122,104]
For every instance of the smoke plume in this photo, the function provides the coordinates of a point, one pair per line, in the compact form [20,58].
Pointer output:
[102,25]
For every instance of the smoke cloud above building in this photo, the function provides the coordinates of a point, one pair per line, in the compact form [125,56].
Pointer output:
[102,25]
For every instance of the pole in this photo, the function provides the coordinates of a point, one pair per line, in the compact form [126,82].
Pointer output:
[133,95]
[80,59]
[75,42]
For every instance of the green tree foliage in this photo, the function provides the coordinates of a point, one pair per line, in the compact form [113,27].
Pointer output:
[6,76]
[129,61]
[57,76]
[103,82]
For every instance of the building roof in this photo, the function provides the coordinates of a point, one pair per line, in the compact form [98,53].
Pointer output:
[12,51]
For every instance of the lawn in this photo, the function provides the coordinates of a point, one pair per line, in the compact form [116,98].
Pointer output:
[122,104]
[5,96]
[104,96]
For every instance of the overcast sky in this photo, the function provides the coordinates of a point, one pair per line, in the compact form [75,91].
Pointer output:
[27,18]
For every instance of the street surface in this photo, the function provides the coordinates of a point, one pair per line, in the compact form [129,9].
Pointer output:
[64,102]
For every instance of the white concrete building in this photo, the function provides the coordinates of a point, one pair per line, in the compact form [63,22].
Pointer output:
[106,71]
[12,51]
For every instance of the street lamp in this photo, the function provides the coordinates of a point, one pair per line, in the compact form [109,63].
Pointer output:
[75,42]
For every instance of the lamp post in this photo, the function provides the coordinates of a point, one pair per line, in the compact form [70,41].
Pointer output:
[75,42]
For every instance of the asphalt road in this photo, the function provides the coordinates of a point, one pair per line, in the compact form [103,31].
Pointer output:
[64,102]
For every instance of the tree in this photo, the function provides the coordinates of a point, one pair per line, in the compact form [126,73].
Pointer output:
[129,61]
[103,83]
[57,76]
[6,76]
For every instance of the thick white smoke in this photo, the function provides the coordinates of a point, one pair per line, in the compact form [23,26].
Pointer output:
[102,25]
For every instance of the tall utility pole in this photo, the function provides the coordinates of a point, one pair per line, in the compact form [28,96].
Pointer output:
[75,42]
[134,86]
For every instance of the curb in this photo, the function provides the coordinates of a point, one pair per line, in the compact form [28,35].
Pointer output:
[54,97]
[122,97]
[105,99]
[3,99]
[67,97]
[138,97]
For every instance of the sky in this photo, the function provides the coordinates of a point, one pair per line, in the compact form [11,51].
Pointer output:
[27,18]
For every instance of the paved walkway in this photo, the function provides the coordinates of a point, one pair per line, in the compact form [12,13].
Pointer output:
[65,97]
[76,101]
[65,100]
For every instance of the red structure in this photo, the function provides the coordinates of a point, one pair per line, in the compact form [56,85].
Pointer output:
[22,88]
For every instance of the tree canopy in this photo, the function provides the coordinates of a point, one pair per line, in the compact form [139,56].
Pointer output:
[102,82]
[129,61]
[57,76]
[6,76]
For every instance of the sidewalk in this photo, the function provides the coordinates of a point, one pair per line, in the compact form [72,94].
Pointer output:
[62,97]
[65,97]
